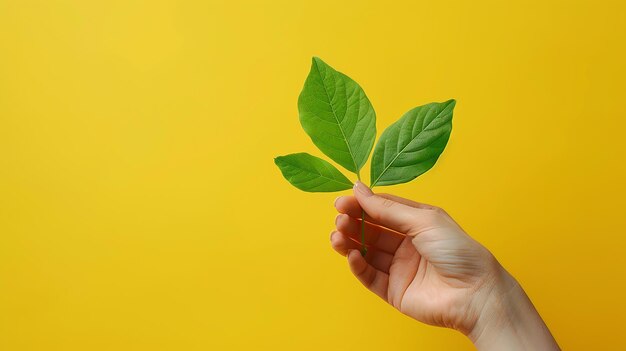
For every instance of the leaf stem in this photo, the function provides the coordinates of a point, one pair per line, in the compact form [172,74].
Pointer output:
[363,248]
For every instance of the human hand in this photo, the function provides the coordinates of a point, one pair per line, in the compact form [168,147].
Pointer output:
[421,262]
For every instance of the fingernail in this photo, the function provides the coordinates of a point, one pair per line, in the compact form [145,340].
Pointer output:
[331,235]
[337,218]
[337,199]
[362,188]
[350,253]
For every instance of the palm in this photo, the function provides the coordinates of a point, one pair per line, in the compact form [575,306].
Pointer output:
[428,274]
[431,294]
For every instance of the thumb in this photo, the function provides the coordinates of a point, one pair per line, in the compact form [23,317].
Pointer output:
[387,212]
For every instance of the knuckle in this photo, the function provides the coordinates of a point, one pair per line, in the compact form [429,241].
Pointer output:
[387,203]
[377,216]
[432,216]
[375,238]
[440,211]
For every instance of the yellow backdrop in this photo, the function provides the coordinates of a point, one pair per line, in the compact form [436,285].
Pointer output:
[140,207]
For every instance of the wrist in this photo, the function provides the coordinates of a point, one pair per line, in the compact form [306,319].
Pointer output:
[508,320]
[498,310]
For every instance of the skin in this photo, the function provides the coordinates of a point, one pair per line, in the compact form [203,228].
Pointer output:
[421,262]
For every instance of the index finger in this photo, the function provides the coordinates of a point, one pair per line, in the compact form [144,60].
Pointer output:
[349,205]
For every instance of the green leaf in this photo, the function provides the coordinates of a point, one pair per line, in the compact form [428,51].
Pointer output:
[412,145]
[337,115]
[309,173]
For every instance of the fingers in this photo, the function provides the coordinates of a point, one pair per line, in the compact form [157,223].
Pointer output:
[378,259]
[406,201]
[350,205]
[388,212]
[371,278]
[379,237]
[342,244]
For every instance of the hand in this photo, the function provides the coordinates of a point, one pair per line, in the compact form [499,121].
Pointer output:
[421,262]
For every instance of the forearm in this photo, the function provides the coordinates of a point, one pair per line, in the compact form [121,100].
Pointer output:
[509,321]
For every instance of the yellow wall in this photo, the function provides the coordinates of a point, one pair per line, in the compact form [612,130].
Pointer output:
[140,207]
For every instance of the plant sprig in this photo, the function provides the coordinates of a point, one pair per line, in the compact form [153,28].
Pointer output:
[340,120]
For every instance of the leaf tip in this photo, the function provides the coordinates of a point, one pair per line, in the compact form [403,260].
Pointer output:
[316,61]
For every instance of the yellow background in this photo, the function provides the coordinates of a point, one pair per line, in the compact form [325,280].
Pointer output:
[140,207]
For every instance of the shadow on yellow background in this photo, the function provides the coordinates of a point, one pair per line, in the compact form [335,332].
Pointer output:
[140,207]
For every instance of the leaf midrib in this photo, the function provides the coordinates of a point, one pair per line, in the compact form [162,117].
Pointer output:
[332,108]
[316,172]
